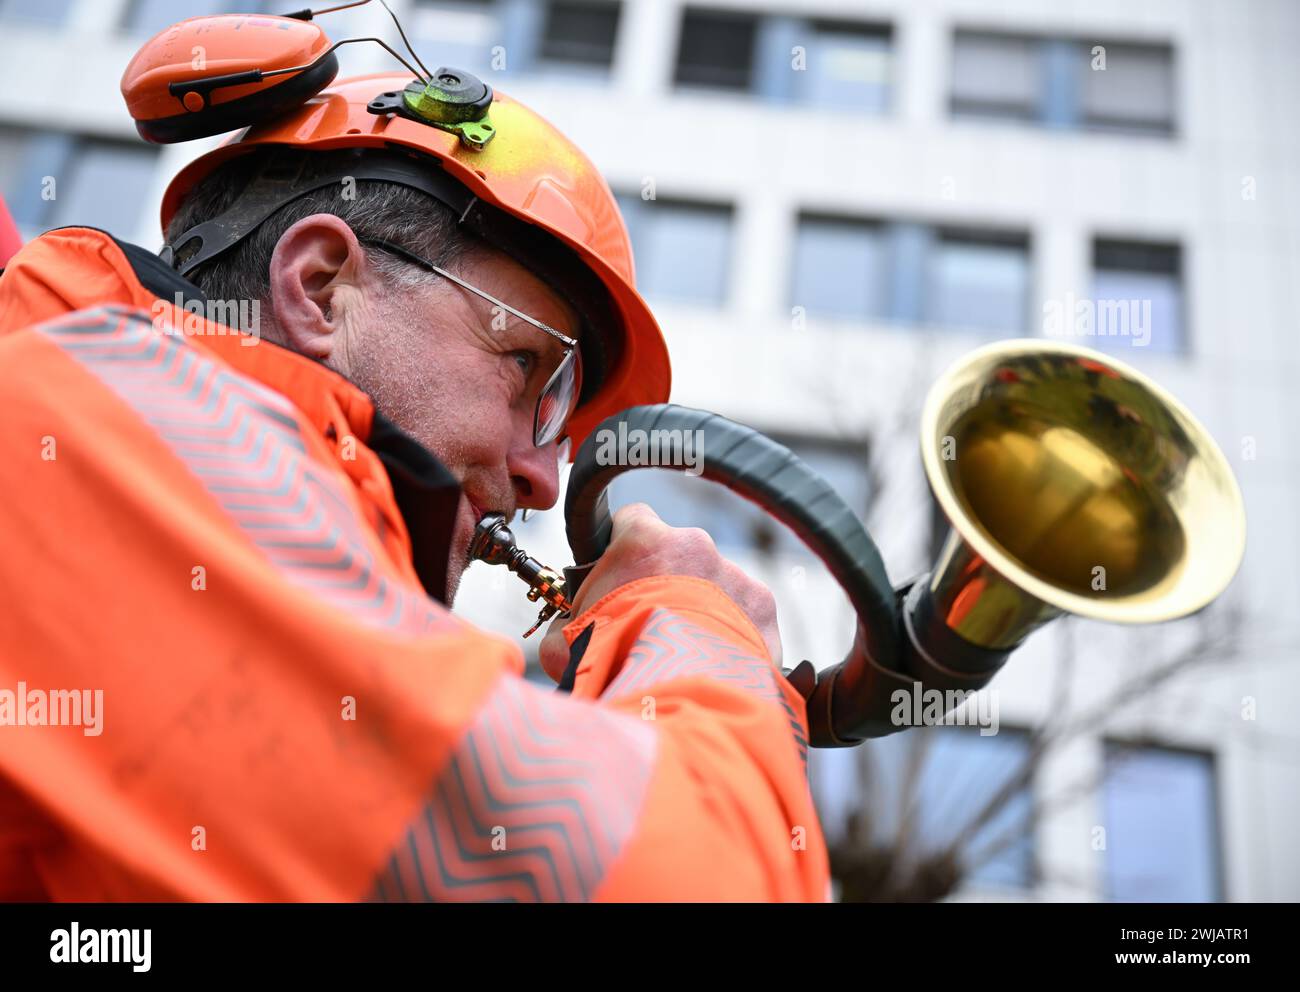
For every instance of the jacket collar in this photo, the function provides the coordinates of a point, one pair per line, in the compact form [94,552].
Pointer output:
[426,494]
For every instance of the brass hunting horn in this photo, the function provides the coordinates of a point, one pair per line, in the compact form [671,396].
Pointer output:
[1073,484]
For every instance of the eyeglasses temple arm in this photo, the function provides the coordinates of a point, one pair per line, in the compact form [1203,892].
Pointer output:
[412,257]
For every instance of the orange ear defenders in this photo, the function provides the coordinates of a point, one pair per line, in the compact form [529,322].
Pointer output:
[208,75]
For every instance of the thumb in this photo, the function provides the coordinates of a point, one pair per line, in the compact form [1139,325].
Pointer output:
[553,652]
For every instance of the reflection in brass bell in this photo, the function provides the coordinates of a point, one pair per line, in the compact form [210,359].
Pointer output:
[1074,484]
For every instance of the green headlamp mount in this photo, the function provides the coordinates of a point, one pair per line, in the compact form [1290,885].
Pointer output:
[453,100]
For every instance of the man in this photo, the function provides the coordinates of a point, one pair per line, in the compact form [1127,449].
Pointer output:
[233,553]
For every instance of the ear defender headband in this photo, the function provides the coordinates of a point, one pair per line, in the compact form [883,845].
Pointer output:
[289,175]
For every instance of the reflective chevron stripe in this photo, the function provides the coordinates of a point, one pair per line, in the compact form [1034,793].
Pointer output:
[242,442]
[670,648]
[535,804]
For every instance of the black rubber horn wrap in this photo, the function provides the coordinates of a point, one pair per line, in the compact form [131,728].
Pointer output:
[776,479]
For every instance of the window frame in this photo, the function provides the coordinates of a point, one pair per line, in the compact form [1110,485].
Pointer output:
[752,20]
[1177,250]
[908,246]
[635,219]
[544,61]
[1215,825]
[1060,102]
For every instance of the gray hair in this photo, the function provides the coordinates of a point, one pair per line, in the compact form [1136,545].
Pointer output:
[379,209]
[389,211]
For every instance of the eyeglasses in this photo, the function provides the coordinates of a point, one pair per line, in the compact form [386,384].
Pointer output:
[559,396]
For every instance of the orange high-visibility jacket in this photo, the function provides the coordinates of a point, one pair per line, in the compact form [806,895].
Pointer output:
[202,533]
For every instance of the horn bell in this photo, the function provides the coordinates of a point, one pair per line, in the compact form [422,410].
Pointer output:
[1073,484]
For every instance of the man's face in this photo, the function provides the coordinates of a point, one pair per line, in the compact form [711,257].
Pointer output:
[462,377]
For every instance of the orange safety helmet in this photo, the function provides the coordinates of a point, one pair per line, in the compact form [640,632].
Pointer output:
[527,168]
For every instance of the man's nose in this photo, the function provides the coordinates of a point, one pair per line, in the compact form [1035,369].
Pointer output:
[535,473]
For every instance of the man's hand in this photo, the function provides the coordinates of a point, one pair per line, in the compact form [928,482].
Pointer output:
[642,545]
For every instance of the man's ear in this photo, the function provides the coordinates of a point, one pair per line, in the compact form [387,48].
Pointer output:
[315,275]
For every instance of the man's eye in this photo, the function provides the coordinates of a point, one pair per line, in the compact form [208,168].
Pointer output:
[526,360]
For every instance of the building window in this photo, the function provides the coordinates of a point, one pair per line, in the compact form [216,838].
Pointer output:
[848,65]
[1064,82]
[492,38]
[580,33]
[1161,826]
[57,179]
[716,49]
[1137,296]
[1134,92]
[841,268]
[940,778]
[148,17]
[914,274]
[844,65]
[978,280]
[996,75]
[463,33]
[42,11]
[734,523]
[682,249]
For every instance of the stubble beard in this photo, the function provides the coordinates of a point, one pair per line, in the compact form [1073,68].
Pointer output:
[384,371]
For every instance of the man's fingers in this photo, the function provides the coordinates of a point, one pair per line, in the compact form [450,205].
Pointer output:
[633,516]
